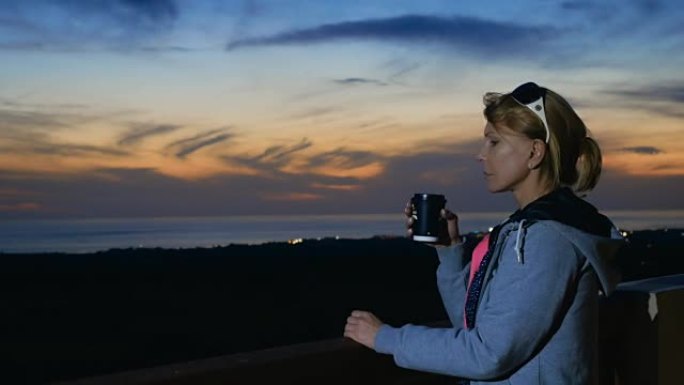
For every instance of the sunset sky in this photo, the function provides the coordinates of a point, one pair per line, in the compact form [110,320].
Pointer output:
[193,108]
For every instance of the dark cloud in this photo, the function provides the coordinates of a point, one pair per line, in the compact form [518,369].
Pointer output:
[200,144]
[343,158]
[170,48]
[280,154]
[139,13]
[63,149]
[184,147]
[11,103]
[160,10]
[606,10]
[593,10]
[645,150]
[673,93]
[315,113]
[79,24]
[73,149]
[663,99]
[271,160]
[137,134]
[355,81]
[476,35]
[18,118]
[29,132]
[450,170]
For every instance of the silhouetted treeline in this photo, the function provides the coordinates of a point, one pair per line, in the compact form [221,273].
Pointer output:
[68,316]
[652,253]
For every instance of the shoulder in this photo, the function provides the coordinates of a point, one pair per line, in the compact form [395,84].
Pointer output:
[541,231]
[540,241]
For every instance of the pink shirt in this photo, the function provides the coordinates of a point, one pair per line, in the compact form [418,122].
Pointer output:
[478,254]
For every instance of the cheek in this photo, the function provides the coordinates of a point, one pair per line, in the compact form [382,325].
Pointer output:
[508,163]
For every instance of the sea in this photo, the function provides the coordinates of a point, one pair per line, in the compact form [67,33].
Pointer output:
[92,235]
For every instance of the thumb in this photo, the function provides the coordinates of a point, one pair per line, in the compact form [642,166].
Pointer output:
[453,230]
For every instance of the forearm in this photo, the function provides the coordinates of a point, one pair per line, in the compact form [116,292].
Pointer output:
[452,276]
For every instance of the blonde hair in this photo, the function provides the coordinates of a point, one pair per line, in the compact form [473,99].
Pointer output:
[572,158]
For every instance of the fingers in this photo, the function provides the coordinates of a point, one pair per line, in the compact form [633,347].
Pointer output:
[360,314]
[449,215]
[408,210]
[362,327]
[410,218]
[349,331]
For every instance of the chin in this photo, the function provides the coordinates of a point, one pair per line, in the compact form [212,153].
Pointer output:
[495,189]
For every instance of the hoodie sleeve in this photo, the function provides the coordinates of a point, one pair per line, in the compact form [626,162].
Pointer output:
[452,278]
[519,311]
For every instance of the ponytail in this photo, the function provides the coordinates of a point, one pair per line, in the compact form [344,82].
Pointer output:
[588,165]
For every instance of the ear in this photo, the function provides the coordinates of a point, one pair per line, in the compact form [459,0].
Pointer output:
[537,153]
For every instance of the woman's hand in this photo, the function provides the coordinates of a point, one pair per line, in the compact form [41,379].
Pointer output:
[449,233]
[362,327]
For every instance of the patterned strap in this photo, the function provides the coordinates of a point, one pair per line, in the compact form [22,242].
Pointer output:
[475,288]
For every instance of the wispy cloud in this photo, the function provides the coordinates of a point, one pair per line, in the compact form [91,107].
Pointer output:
[344,158]
[280,154]
[137,134]
[272,159]
[632,19]
[673,93]
[466,33]
[184,147]
[608,9]
[37,120]
[644,150]
[41,144]
[663,99]
[63,149]
[359,81]
[46,24]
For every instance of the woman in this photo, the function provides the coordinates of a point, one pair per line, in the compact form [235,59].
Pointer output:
[525,310]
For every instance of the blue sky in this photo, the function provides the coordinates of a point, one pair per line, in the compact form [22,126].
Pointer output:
[167,108]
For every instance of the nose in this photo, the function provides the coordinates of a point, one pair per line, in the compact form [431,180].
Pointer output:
[480,155]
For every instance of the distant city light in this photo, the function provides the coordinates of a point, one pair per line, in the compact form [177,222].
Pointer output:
[295,241]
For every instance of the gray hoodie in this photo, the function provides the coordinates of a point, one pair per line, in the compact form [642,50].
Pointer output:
[538,309]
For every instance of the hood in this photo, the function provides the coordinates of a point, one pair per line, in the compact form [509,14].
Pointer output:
[590,231]
[562,205]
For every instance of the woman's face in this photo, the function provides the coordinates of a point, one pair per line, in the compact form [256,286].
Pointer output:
[505,157]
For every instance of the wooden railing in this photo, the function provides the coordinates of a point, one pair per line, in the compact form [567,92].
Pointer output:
[641,338]
[337,361]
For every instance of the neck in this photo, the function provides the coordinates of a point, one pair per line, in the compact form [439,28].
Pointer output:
[525,195]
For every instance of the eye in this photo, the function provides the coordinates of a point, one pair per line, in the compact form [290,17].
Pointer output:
[492,142]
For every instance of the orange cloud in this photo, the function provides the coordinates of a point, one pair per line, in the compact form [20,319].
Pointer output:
[662,164]
[291,197]
[337,187]
[364,172]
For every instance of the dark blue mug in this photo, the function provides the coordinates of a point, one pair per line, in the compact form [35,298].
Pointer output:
[426,213]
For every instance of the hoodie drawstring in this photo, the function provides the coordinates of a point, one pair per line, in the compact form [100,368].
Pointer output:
[519,242]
